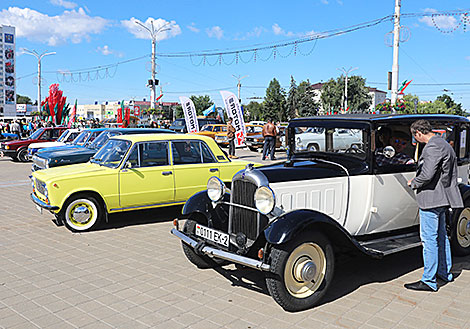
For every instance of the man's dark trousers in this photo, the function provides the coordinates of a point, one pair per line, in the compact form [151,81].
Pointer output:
[268,147]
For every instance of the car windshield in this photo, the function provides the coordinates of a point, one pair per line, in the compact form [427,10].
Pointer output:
[178,123]
[102,139]
[112,153]
[63,138]
[207,128]
[338,139]
[81,138]
[36,134]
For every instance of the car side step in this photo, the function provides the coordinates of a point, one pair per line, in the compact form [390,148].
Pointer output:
[393,244]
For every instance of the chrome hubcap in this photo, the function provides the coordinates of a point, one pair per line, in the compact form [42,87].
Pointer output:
[81,214]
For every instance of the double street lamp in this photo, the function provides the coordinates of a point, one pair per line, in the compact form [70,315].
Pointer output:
[153,34]
[39,57]
[346,73]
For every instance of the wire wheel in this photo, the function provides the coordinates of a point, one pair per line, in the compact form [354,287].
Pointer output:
[305,269]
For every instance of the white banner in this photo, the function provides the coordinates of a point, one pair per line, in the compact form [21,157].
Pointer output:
[189,114]
[234,111]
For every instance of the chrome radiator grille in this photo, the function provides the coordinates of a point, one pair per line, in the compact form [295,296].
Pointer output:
[244,220]
[40,162]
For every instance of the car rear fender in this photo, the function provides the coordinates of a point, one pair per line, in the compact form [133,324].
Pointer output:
[292,224]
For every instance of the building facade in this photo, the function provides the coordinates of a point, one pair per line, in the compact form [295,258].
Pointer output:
[377,96]
[7,71]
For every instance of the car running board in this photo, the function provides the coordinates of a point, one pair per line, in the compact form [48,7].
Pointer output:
[390,245]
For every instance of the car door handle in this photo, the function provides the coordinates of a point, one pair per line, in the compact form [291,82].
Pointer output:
[213,169]
[167,173]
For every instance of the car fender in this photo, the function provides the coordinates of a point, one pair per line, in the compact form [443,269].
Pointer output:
[64,199]
[464,191]
[201,209]
[291,224]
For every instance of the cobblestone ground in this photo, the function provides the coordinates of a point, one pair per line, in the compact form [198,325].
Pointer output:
[132,274]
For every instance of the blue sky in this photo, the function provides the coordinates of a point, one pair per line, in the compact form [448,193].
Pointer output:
[89,33]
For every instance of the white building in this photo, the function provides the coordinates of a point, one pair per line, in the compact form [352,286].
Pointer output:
[7,71]
[378,96]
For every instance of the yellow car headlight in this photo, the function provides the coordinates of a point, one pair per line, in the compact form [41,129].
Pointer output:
[264,200]
[215,188]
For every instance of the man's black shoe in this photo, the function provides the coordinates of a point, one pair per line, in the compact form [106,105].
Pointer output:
[419,285]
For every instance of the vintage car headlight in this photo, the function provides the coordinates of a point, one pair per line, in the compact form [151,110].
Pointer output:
[7,147]
[47,163]
[264,200]
[215,189]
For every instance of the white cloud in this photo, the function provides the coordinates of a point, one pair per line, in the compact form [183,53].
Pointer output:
[73,25]
[140,33]
[441,21]
[105,50]
[64,3]
[277,30]
[215,32]
[193,28]
[467,58]
[325,2]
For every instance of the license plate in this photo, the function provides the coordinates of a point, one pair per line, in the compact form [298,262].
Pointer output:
[39,209]
[212,235]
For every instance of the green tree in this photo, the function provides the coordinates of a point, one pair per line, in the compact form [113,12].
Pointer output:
[23,99]
[292,100]
[452,107]
[307,106]
[253,111]
[359,99]
[275,102]
[201,103]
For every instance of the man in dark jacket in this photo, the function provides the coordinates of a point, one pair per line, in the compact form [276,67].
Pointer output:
[437,190]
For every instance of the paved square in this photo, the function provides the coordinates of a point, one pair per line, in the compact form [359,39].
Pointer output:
[132,274]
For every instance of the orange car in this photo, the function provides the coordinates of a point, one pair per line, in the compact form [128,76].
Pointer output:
[221,138]
[212,129]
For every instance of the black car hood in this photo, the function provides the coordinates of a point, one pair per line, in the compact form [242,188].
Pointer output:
[310,169]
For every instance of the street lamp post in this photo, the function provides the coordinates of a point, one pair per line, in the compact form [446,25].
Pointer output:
[39,57]
[239,85]
[153,35]
[346,73]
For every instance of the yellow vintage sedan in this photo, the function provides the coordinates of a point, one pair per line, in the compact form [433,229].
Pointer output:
[131,172]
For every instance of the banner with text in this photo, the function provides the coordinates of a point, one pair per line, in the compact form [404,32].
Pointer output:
[234,111]
[189,114]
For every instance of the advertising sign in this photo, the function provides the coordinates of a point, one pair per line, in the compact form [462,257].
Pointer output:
[189,114]
[9,69]
[234,111]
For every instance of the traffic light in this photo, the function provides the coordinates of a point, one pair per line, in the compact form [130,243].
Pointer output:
[150,82]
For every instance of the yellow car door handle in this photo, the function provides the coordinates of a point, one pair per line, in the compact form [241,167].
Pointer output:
[166,173]
[213,169]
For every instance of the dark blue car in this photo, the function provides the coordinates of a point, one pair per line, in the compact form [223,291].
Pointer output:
[72,155]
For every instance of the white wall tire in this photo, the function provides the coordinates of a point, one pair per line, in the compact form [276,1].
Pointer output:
[83,214]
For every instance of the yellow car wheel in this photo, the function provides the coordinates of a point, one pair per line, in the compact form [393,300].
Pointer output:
[83,213]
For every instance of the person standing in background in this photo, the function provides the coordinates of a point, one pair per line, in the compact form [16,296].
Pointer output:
[269,133]
[231,139]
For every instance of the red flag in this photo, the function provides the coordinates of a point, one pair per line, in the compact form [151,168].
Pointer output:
[119,113]
[72,115]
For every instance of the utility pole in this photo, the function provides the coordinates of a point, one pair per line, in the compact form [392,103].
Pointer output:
[153,35]
[396,44]
[39,57]
[239,85]
[346,73]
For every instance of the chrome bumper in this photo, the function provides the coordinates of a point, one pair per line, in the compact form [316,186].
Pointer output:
[213,252]
[42,204]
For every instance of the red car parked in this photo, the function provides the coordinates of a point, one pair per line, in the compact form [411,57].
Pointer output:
[18,149]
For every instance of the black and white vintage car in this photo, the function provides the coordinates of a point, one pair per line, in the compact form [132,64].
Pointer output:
[289,220]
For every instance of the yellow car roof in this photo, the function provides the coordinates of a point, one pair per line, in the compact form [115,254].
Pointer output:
[160,137]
